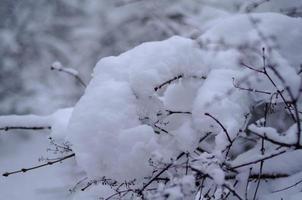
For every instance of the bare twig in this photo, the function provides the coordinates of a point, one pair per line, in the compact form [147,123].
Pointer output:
[24,128]
[168,82]
[272,155]
[250,89]
[233,191]
[58,66]
[175,79]
[288,187]
[247,184]
[283,144]
[260,170]
[171,112]
[23,170]
[160,173]
[223,128]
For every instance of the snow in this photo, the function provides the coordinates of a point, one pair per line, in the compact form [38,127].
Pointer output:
[180,96]
[158,100]
[289,137]
[57,121]
[217,97]
[20,150]
[123,91]
[58,66]
[113,127]
[24,121]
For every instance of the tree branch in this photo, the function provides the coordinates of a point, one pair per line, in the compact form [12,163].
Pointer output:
[223,128]
[23,170]
[24,128]
[58,66]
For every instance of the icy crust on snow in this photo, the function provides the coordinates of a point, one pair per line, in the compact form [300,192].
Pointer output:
[113,128]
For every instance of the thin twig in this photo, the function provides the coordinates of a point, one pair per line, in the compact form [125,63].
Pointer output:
[168,82]
[223,128]
[286,188]
[260,159]
[174,79]
[233,191]
[250,89]
[160,173]
[24,128]
[58,66]
[260,171]
[247,184]
[23,170]
[171,112]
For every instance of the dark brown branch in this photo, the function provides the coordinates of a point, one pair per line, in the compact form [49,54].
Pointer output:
[87,186]
[252,68]
[276,142]
[263,176]
[161,129]
[171,112]
[23,170]
[168,82]
[260,170]
[77,77]
[158,174]
[174,79]
[281,95]
[250,89]
[259,160]
[205,136]
[294,103]
[24,128]
[223,128]
[234,185]
[119,193]
[233,191]
[286,188]
[224,185]
[247,184]
[264,71]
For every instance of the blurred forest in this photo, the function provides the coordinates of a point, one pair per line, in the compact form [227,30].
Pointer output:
[34,34]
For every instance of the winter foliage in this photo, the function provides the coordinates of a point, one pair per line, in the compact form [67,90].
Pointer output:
[212,112]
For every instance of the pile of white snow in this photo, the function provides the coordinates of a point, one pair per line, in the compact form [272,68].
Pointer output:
[114,128]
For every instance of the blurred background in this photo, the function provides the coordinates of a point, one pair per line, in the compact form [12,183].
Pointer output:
[34,34]
[77,33]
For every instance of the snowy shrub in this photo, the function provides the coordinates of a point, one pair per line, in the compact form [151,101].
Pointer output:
[217,117]
[188,118]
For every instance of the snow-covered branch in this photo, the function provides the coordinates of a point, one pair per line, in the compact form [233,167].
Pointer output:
[59,67]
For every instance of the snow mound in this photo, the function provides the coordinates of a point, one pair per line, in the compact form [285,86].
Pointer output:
[106,128]
[151,101]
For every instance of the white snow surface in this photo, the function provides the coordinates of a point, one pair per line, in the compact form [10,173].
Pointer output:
[112,128]
[122,91]
[57,121]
